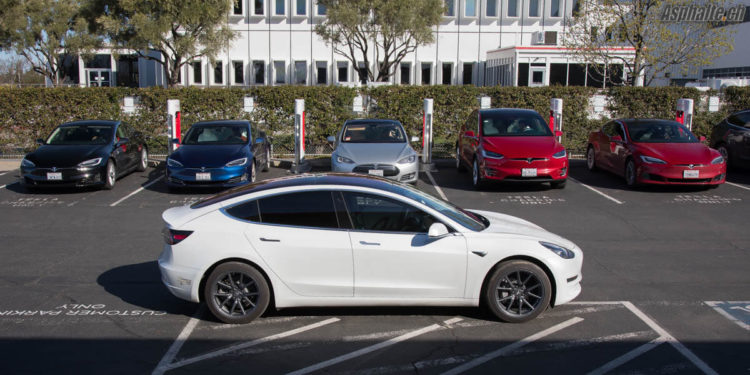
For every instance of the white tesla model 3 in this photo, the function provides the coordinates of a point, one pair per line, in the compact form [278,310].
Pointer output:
[350,240]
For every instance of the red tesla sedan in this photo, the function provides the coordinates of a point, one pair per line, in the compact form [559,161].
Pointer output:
[511,145]
[649,151]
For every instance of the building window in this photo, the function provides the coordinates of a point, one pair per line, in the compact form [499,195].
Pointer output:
[447,73]
[450,8]
[237,8]
[343,71]
[426,73]
[468,73]
[259,72]
[533,8]
[279,72]
[280,8]
[321,72]
[362,72]
[405,73]
[258,7]
[491,10]
[554,8]
[322,10]
[300,8]
[470,8]
[300,72]
[197,72]
[239,72]
[218,72]
[512,8]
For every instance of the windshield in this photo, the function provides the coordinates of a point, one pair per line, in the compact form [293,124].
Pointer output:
[81,135]
[660,132]
[216,135]
[510,124]
[465,218]
[373,132]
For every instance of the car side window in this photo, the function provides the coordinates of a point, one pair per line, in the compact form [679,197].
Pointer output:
[619,131]
[377,213]
[121,132]
[740,119]
[305,209]
[246,211]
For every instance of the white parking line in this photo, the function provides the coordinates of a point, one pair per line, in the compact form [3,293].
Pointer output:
[439,190]
[171,366]
[6,185]
[737,185]
[596,191]
[140,189]
[177,344]
[372,348]
[617,362]
[3,173]
[670,339]
[510,348]
[715,306]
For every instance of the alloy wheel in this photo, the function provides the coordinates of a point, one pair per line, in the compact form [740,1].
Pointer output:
[591,159]
[630,173]
[236,294]
[519,293]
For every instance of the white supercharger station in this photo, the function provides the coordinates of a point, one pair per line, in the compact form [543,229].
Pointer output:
[684,112]
[427,132]
[173,124]
[556,116]
[300,164]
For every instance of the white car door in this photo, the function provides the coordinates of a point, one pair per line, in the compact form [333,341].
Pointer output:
[394,257]
[298,236]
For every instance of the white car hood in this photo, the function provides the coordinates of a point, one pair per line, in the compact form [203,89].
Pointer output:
[369,153]
[506,224]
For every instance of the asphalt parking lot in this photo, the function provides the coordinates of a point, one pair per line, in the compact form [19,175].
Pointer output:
[665,290]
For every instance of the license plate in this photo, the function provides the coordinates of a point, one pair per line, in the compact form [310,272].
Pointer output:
[528,172]
[54,176]
[375,172]
[690,174]
[203,176]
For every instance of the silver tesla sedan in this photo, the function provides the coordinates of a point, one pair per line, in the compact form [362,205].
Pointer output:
[375,147]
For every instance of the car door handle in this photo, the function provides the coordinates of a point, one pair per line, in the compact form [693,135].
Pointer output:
[369,243]
[269,239]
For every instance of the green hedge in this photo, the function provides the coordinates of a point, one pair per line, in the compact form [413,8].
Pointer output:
[30,113]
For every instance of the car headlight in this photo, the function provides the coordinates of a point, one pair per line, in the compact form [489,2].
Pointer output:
[238,162]
[27,163]
[717,160]
[90,162]
[491,155]
[408,159]
[559,250]
[173,163]
[560,154]
[344,159]
[652,160]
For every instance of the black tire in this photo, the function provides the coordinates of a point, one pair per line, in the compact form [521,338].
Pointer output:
[591,159]
[236,293]
[110,175]
[518,291]
[476,177]
[724,151]
[630,174]
[267,164]
[142,161]
[558,184]
[253,173]
[459,166]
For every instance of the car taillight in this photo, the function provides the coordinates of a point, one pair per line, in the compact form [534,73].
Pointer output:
[173,237]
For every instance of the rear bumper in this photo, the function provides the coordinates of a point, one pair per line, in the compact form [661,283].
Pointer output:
[182,282]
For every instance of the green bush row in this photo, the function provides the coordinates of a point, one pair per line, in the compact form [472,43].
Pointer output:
[30,113]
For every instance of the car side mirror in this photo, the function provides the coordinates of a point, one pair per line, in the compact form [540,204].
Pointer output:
[437,230]
[558,133]
[331,139]
[469,133]
[259,140]
[175,141]
[702,138]
[617,139]
[40,141]
[415,139]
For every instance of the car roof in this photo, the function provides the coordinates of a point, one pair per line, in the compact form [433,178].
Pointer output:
[307,179]
[222,122]
[636,121]
[508,110]
[371,121]
[92,122]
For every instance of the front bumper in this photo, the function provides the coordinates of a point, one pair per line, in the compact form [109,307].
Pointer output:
[218,177]
[675,174]
[69,177]
[568,278]
[510,169]
[398,172]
